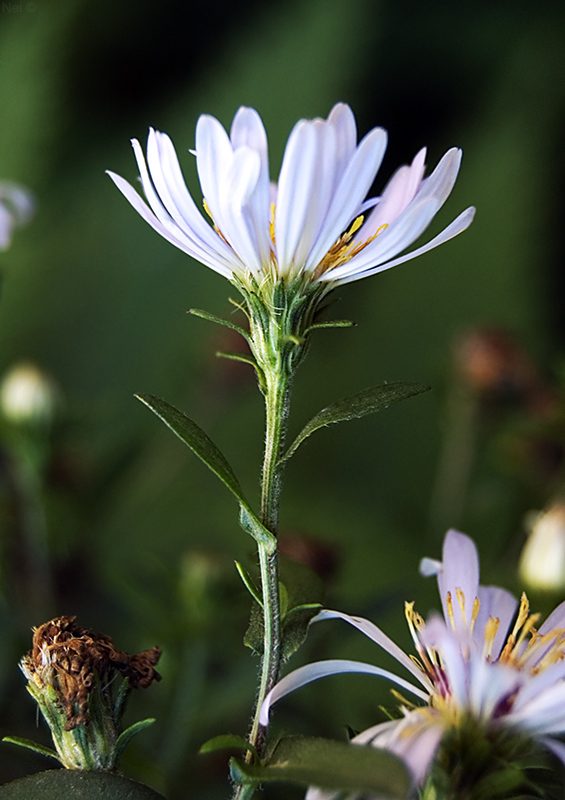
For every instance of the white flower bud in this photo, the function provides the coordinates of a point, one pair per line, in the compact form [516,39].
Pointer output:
[542,563]
[27,395]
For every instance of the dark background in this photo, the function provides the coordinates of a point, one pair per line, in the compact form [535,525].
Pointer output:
[141,539]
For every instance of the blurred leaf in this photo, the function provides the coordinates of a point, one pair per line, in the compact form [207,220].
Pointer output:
[201,445]
[74,783]
[358,405]
[331,765]
[228,741]
[300,591]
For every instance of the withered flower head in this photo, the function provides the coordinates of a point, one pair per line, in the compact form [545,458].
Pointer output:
[73,675]
[66,657]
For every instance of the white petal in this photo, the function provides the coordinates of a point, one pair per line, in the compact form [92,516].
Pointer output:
[321,669]
[239,184]
[169,232]
[353,187]
[460,571]
[556,747]
[545,713]
[214,156]
[342,119]
[376,635]
[167,178]
[415,738]
[398,194]
[499,604]
[303,192]
[440,183]
[247,130]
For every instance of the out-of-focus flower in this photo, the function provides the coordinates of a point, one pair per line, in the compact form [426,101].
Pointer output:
[542,563]
[27,395]
[477,666]
[16,209]
[315,224]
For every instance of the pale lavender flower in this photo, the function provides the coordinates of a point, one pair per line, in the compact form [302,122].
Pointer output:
[481,661]
[16,209]
[315,222]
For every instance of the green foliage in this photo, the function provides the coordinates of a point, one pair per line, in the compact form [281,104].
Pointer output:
[64,783]
[301,593]
[358,405]
[228,741]
[331,765]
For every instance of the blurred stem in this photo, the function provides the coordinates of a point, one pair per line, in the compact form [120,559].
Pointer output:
[456,459]
[38,593]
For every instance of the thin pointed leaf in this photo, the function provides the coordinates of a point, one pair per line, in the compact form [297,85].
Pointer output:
[228,741]
[199,442]
[248,582]
[334,323]
[126,736]
[197,312]
[201,445]
[358,405]
[231,356]
[27,743]
[330,765]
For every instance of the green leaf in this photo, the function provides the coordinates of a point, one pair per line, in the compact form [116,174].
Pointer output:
[126,736]
[334,323]
[300,591]
[197,312]
[27,743]
[63,784]
[201,445]
[199,442]
[330,765]
[358,405]
[228,741]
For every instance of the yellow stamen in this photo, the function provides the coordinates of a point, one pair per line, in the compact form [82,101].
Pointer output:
[449,604]
[475,613]
[461,601]
[491,629]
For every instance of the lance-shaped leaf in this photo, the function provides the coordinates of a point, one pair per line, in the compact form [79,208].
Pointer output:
[358,405]
[201,445]
[330,765]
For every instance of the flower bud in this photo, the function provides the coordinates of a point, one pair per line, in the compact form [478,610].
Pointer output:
[542,563]
[27,396]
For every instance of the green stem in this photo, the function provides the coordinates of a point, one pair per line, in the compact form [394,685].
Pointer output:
[277,397]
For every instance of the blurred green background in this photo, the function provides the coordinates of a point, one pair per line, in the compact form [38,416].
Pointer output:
[141,539]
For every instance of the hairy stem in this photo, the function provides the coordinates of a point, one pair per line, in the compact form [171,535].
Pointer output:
[277,397]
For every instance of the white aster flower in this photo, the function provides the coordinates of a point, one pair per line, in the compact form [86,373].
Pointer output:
[16,209]
[316,222]
[480,662]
